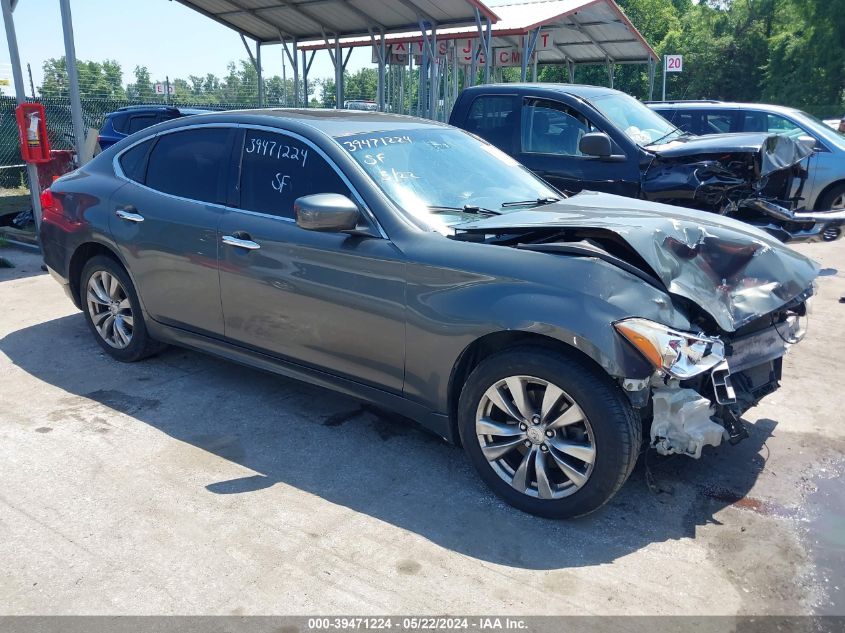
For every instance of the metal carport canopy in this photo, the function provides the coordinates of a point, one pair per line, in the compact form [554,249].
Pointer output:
[268,21]
[579,32]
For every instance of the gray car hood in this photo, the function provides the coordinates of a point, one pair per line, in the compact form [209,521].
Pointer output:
[733,271]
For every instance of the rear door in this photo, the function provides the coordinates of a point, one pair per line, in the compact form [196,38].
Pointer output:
[331,301]
[164,221]
[550,134]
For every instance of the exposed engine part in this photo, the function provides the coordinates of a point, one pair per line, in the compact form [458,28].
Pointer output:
[734,427]
[638,391]
[722,385]
[682,423]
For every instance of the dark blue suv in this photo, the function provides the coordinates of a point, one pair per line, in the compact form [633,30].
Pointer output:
[130,119]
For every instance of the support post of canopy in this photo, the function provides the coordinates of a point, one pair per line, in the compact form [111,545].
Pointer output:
[529,42]
[290,53]
[306,67]
[484,40]
[381,56]
[652,66]
[256,63]
[534,69]
[260,72]
[401,104]
[285,81]
[73,81]
[570,65]
[610,69]
[20,95]
[426,72]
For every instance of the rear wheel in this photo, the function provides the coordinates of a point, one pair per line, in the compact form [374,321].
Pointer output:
[113,312]
[550,433]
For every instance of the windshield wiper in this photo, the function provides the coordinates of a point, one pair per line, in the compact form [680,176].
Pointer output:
[537,202]
[467,208]
[665,136]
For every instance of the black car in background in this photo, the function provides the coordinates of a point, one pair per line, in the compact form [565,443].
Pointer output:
[130,119]
[593,138]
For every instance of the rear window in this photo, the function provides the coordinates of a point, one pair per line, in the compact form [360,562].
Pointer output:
[133,162]
[118,122]
[494,118]
[138,122]
[191,164]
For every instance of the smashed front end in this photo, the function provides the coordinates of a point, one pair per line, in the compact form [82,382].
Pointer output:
[756,178]
[702,385]
[745,295]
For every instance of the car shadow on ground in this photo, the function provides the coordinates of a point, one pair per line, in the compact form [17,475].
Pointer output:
[375,462]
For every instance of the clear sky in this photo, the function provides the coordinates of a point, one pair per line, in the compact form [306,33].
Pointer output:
[165,36]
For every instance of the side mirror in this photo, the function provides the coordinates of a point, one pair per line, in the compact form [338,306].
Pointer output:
[808,141]
[329,212]
[596,144]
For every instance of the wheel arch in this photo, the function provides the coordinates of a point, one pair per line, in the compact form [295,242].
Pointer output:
[825,192]
[81,256]
[485,346]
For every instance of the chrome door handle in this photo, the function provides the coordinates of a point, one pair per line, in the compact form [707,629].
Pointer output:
[249,245]
[123,214]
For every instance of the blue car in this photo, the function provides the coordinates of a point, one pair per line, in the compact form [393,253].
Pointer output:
[130,119]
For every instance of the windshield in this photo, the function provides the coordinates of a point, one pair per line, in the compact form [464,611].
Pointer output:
[642,124]
[444,176]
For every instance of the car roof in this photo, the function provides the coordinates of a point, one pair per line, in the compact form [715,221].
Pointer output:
[334,123]
[577,90]
[718,105]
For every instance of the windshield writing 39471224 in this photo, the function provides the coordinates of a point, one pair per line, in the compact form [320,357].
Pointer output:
[374,142]
[272,149]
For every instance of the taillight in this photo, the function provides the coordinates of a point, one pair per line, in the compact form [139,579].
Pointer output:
[51,207]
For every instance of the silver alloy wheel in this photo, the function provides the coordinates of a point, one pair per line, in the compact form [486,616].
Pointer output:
[535,437]
[109,308]
[839,202]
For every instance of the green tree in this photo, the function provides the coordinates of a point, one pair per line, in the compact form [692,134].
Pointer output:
[96,79]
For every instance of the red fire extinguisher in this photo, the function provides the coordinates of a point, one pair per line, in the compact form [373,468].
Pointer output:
[32,128]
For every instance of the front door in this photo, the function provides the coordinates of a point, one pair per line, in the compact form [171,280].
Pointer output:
[164,221]
[549,137]
[331,301]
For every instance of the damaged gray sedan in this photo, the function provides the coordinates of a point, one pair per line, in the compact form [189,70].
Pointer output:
[409,264]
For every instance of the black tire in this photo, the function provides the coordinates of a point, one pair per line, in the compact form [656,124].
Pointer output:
[825,202]
[140,345]
[616,431]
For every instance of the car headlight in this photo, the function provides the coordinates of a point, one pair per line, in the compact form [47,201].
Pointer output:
[682,355]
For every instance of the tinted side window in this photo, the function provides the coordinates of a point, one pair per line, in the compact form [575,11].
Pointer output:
[118,122]
[493,118]
[685,120]
[717,122]
[191,164]
[138,122]
[277,169]
[754,122]
[133,162]
[549,127]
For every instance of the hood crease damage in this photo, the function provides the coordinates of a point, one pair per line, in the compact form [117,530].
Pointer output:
[732,271]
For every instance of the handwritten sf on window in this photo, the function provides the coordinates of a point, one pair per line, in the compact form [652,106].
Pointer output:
[281,182]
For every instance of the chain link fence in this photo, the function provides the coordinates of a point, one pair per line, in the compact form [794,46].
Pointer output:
[60,127]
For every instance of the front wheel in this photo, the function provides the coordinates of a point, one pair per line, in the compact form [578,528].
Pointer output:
[550,433]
